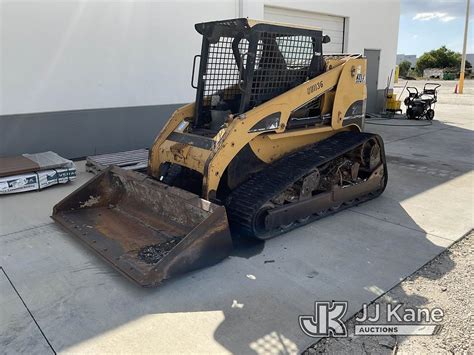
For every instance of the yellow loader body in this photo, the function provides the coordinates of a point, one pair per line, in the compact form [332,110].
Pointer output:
[273,141]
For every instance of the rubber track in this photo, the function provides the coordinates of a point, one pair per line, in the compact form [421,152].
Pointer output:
[245,201]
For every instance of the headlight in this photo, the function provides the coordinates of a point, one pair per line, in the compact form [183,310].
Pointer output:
[269,123]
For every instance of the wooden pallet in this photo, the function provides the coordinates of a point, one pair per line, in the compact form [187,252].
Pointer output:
[129,160]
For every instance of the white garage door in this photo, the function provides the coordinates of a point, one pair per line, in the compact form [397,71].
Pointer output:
[333,26]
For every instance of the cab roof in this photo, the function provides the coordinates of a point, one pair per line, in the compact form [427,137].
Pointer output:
[232,27]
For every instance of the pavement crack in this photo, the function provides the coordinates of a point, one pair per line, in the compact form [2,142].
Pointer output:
[414,136]
[398,224]
[28,310]
[26,229]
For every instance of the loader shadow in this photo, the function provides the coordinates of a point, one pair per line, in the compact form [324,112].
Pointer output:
[250,305]
[419,291]
[246,247]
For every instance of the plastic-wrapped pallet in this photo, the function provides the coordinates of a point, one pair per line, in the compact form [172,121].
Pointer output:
[27,163]
[37,180]
[51,170]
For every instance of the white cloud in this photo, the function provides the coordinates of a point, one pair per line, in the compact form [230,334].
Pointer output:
[447,18]
[455,8]
[428,16]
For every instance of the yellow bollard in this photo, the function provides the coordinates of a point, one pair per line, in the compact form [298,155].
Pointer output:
[461,82]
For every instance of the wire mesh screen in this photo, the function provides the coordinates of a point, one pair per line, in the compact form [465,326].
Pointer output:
[222,72]
[282,62]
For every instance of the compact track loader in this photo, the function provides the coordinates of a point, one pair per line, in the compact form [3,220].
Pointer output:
[273,141]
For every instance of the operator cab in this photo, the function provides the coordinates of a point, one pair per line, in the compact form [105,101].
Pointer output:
[244,63]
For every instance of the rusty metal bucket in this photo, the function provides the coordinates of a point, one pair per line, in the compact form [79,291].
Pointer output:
[147,230]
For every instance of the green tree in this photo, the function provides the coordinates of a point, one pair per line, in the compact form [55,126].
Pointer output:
[438,58]
[404,67]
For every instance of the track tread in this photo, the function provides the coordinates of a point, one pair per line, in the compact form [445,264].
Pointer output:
[245,201]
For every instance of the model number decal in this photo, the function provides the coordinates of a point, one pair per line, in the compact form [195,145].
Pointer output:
[314,87]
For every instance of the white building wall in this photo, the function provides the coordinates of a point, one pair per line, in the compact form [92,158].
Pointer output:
[82,54]
[370,24]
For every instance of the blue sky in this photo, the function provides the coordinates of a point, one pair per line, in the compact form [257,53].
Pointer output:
[429,24]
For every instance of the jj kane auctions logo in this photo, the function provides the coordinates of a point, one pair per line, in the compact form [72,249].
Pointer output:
[327,320]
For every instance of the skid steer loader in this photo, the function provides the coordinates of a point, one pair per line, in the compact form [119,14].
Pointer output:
[273,141]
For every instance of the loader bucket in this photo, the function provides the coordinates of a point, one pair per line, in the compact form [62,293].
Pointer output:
[146,229]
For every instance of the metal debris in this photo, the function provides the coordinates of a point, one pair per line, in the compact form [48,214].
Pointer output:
[236,304]
[151,254]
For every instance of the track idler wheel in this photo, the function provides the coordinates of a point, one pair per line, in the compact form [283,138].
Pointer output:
[371,157]
[258,221]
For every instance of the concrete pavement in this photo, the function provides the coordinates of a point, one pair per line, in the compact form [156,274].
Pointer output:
[251,301]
